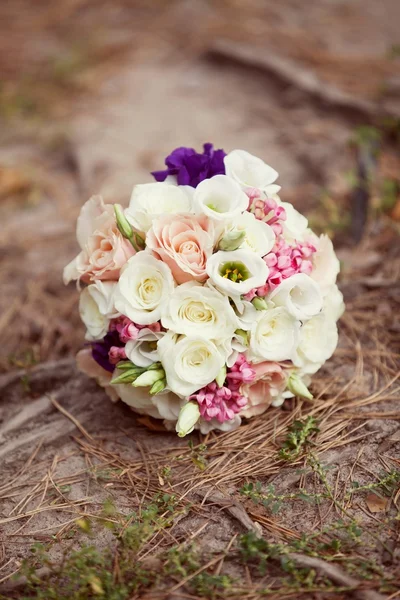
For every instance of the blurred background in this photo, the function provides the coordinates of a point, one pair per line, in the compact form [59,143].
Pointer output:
[94,94]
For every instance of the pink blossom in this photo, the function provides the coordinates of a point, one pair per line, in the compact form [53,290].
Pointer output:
[116,354]
[283,261]
[219,403]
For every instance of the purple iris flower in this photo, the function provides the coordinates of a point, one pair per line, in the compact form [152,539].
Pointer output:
[191,167]
[101,349]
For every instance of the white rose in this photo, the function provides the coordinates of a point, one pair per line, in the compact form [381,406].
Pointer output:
[219,198]
[251,172]
[318,340]
[142,351]
[143,288]
[151,200]
[237,272]
[274,336]
[200,311]
[190,363]
[96,308]
[326,265]
[295,226]
[300,295]
[259,237]
[333,302]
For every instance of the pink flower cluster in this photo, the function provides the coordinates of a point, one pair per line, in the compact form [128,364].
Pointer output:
[266,210]
[222,403]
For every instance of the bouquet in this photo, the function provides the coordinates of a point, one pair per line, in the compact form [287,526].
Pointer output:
[207,300]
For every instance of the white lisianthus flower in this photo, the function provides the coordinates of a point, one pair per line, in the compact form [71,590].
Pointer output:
[300,295]
[259,236]
[296,225]
[326,265]
[274,336]
[142,351]
[151,200]
[198,310]
[333,302]
[190,363]
[237,272]
[251,172]
[318,341]
[143,288]
[219,198]
[96,308]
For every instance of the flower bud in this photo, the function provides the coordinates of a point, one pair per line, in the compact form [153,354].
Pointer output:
[297,386]
[158,387]
[154,366]
[123,224]
[128,375]
[259,303]
[188,417]
[149,378]
[220,378]
[232,240]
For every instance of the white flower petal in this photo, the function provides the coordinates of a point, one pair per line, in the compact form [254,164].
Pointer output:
[300,295]
[248,170]
[151,200]
[219,198]
[274,336]
[254,271]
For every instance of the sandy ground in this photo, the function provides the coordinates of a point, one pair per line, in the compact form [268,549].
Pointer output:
[93,99]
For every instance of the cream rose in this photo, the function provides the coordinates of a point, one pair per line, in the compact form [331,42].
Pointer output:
[237,272]
[190,363]
[317,343]
[300,295]
[266,388]
[220,198]
[184,244]
[104,251]
[251,172]
[274,336]
[198,310]
[96,308]
[151,200]
[143,288]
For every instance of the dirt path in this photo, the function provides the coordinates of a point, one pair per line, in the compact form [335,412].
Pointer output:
[91,106]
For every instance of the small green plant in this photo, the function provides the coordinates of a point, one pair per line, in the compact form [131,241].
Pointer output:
[298,437]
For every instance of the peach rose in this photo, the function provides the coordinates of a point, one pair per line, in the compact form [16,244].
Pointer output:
[184,244]
[268,385]
[104,249]
[87,365]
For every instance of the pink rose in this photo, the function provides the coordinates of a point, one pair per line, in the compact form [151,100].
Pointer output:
[184,243]
[268,384]
[104,249]
[87,365]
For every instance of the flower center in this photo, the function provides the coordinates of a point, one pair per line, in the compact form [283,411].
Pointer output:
[234,271]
